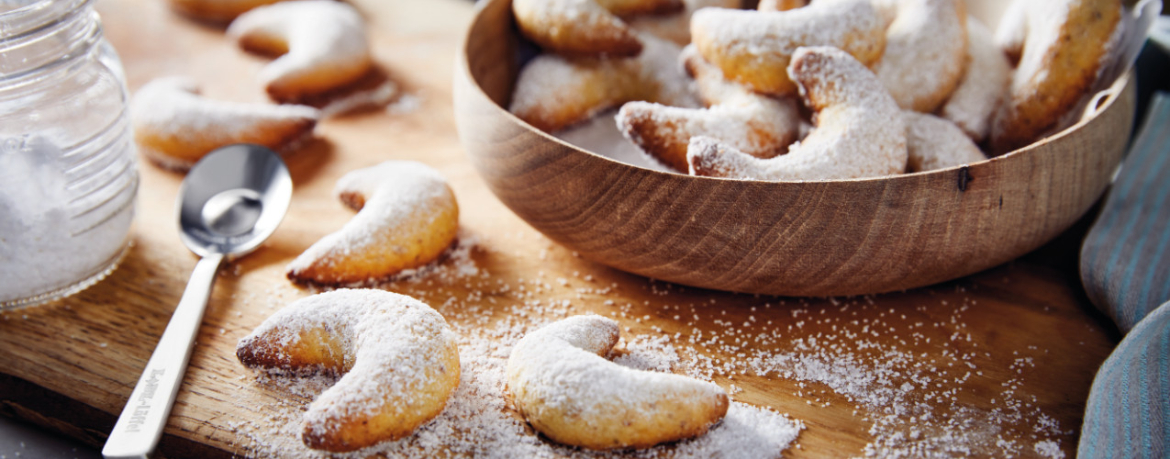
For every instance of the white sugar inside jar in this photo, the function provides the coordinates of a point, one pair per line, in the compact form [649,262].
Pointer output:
[68,173]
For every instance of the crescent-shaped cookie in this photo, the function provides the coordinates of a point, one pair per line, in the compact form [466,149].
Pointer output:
[216,10]
[926,47]
[561,383]
[676,27]
[585,27]
[407,217]
[859,129]
[983,86]
[553,92]
[1067,44]
[756,124]
[322,46]
[781,5]
[935,143]
[399,359]
[175,126]
[754,47]
[1013,30]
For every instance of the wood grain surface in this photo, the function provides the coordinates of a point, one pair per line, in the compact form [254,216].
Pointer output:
[1019,338]
[842,237]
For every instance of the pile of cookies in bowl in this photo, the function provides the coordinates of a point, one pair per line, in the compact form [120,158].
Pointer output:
[836,89]
[872,145]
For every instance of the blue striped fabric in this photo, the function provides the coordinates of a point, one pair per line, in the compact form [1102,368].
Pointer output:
[1125,266]
[1129,404]
[1125,260]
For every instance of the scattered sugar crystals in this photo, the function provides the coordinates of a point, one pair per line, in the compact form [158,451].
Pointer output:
[477,421]
[913,376]
[1049,449]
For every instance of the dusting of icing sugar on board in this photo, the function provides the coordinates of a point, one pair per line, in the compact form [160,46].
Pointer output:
[910,375]
[477,421]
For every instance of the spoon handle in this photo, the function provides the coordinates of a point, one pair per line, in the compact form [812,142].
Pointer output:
[140,426]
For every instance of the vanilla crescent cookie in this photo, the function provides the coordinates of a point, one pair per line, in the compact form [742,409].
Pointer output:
[935,143]
[781,5]
[407,217]
[983,86]
[926,48]
[754,47]
[676,27]
[1067,43]
[887,9]
[175,126]
[585,27]
[859,129]
[553,92]
[322,44]
[399,358]
[561,383]
[1013,30]
[216,10]
[756,124]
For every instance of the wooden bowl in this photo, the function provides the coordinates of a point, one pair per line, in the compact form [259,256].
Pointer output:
[839,237]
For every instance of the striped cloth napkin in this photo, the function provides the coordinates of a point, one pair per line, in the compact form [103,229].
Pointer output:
[1126,416]
[1125,266]
[1123,261]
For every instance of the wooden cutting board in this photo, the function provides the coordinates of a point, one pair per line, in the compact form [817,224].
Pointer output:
[1005,357]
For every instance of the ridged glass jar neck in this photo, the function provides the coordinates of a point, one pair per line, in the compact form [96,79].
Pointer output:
[37,36]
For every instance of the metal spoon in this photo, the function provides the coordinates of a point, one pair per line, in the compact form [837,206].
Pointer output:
[230,202]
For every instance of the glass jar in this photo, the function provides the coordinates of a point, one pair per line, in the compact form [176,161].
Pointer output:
[68,173]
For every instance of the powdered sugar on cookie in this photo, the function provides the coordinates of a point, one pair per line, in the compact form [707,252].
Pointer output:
[983,86]
[325,43]
[553,92]
[754,48]
[756,124]
[564,387]
[1066,46]
[398,356]
[935,143]
[859,129]
[408,216]
[584,27]
[925,53]
[676,27]
[175,126]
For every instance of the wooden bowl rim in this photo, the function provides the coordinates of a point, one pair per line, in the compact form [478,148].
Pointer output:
[1103,100]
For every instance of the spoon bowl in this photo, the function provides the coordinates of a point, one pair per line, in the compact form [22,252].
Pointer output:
[233,200]
[230,202]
